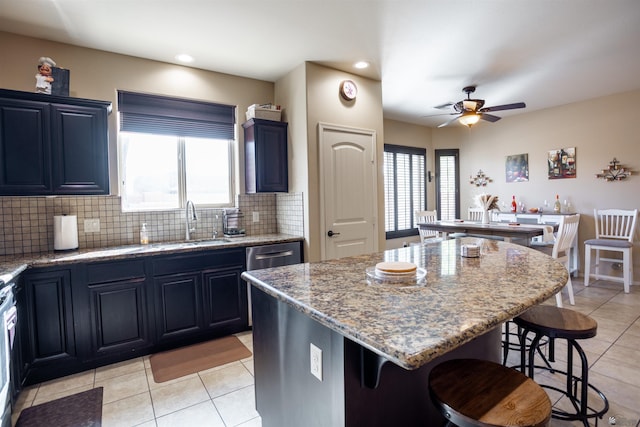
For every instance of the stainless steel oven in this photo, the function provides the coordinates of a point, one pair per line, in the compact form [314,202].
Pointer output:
[8,317]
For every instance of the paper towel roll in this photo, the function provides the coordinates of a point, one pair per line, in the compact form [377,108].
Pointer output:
[65,232]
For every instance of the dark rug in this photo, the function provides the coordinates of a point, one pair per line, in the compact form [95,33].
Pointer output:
[78,410]
[172,364]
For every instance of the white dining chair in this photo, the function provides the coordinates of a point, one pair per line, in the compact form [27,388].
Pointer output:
[567,231]
[475,214]
[615,230]
[426,216]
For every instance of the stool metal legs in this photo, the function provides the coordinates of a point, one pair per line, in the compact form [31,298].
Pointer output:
[578,400]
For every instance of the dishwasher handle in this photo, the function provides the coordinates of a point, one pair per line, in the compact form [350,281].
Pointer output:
[270,255]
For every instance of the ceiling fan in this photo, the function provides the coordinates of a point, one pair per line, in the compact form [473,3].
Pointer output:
[469,111]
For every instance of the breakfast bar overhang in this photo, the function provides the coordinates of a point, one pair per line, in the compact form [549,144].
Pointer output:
[379,341]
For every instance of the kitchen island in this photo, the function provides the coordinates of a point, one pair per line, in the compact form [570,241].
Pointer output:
[378,342]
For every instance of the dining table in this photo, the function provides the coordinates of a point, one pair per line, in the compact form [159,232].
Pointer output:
[505,230]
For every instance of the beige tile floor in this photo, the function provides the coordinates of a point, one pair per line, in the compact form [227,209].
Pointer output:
[224,396]
[218,397]
[613,354]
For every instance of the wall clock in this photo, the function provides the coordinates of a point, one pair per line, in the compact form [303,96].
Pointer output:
[348,90]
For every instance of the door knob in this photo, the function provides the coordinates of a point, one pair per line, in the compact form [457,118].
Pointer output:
[330,233]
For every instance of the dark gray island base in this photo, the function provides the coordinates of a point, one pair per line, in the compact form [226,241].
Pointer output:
[287,395]
[379,342]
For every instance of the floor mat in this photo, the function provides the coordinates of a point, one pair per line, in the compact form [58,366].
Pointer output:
[78,410]
[172,364]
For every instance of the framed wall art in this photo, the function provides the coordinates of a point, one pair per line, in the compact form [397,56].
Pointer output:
[562,163]
[517,168]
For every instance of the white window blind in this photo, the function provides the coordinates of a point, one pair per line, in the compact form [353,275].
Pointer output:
[405,188]
[447,183]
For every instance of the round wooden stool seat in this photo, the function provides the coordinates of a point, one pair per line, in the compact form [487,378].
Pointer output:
[479,393]
[556,322]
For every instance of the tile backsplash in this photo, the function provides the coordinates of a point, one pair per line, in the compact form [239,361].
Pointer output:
[26,223]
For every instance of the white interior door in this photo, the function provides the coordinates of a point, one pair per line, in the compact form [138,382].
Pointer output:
[348,188]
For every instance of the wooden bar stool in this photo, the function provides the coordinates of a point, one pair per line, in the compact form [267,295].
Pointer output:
[561,323]
[479,393]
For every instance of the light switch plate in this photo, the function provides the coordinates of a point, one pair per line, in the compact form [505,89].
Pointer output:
[316,361]
[256,216]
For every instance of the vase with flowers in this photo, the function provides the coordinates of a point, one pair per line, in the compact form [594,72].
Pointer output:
[487,203]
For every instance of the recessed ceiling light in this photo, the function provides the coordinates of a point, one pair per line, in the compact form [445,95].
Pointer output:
[361,64]
[183,57]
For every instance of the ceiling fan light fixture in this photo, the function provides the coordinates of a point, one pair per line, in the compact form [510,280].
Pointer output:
[469,119]
[469,104]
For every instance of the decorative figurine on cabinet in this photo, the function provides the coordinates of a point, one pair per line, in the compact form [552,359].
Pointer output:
[44,78]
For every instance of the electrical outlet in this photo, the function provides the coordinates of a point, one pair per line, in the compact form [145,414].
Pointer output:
[92,225]
[316,361]
[256,216]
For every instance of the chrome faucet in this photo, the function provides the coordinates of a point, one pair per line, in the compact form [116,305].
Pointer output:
[188,218]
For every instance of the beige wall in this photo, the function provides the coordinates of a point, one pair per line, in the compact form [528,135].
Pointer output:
[290,91]
[399,133]
[96,74]
[314,91]
[600,129]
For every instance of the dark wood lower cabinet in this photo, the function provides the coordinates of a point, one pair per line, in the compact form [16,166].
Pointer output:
[225,298]
[119,317]
[178,306]
[49,341]
[210,300]
[93,314]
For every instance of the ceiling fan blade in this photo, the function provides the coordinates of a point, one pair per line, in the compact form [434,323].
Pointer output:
[449,122]
[489,117]
[441,114]
[503,107]
[444,106]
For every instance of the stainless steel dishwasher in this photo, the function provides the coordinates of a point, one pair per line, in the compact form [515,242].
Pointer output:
[266,256]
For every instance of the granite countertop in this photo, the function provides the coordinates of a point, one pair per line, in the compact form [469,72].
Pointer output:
[461,299]
[12,266]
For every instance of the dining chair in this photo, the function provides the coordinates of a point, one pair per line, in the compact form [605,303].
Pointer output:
[426,216]
[615,230]
[567,231]
[475,214]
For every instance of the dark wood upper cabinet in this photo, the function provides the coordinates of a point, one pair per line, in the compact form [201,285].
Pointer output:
[53,145]
[265,152]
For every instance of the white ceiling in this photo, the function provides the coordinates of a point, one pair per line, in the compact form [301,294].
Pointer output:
[543,52]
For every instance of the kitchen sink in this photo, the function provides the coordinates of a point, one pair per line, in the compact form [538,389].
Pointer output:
[191,243]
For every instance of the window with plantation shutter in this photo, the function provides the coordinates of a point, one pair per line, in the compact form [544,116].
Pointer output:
[404,187]
[447,184]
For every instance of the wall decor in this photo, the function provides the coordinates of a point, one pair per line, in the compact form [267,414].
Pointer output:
[517,168]
[614,172]
[480,180]
[562,163]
